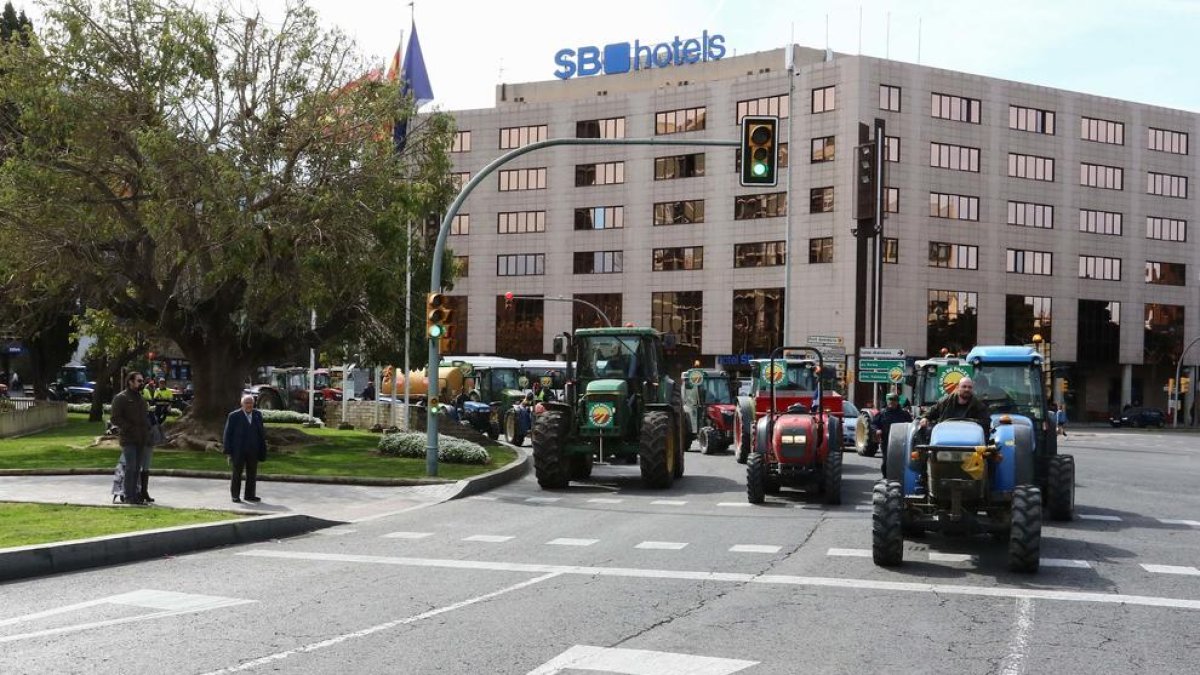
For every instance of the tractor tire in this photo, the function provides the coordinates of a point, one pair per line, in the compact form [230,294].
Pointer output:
[831,476]
[581,466]
[743,427]
[657,451]
[1060,487]
[864,445]
[268,400]
[1025,535]
[510,430]
[549,459]
[756,478]
[887,517]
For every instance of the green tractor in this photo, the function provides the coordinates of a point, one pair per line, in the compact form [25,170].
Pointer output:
[619,402]
[494,389]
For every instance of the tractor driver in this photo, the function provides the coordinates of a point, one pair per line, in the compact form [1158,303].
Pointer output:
[962,404]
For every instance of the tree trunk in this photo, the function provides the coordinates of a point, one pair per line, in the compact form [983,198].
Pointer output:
[218,376]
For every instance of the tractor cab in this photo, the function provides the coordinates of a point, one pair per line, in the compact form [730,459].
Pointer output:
[935,379]
[708,409]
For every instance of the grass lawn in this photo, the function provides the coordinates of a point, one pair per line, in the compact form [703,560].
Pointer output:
[340,453]
[28,524]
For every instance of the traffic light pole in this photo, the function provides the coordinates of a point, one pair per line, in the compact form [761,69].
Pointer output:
[435,277]
[877,295]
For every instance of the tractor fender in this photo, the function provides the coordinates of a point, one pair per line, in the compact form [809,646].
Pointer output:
[559,405]
[762,439]
[1016,464]
[899,469]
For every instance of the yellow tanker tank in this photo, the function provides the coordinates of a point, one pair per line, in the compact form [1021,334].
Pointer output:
[450,382]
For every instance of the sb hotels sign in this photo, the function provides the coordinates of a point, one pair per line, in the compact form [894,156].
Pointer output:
[623,57]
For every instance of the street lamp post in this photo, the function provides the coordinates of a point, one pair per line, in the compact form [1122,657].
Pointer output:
[1175,390]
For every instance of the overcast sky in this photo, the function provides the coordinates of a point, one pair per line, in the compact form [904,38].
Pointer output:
[1142,50]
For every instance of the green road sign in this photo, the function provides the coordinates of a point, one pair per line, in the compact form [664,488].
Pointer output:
[881,371]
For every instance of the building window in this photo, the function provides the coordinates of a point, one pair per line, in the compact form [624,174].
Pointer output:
[519,330]
[891,200]
[1166,273]
[953,256]
[1098,339]
[956,108]
[1099,267]
[770,205]
[604,173]
[1175,142]
[1166,229]
[516,137]
[679,258]
[599,262]
[459,179]
[679,166]
[1100,176]
[1031,167]
[1163,335]
[820,200]
[1166,185]
[679,213]
[760,254]
[600,218]
[512,180]
[679,121]
[889,98]
[954,157]
[952,322]
[1039,263]
[680,313]
[1100,222]
[822,149]
[520,222]
[891,251]
[954,207]
[757,320]
[891,149]
[461,224]
[1026,316]
[820,250]
[823,99]
[521,265]
[1027,214]
[611,127]
[1031,119]
[767,105]
[1101,131]
[783,158]
[461,142]
[455,341]
[583,316]
[462,266]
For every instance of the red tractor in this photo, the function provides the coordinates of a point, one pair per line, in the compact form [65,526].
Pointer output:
[789,432]
[707,410]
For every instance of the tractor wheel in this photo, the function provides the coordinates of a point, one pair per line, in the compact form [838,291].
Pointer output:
[657,451]
[1060,487]
[1025,535]
[549,459]
[756,479]
[743,427]
[705,441]
[581,466]
[268,400]
[887,518]
[831,476]
[863,443]
[511,434]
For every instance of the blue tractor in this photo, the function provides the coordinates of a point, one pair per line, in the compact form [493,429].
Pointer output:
[960,478]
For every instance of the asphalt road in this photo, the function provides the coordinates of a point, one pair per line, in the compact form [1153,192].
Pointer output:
[609,577]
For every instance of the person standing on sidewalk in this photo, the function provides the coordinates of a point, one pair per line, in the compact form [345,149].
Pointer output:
[245,442]
[131,416]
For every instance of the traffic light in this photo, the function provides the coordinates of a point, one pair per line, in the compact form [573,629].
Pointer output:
[437,315]
[864,179]
[509,303]
[760,150]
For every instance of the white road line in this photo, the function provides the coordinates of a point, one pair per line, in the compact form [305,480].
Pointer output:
[335,532]
[743,578]
[542,500]
[1062,562]
[934,556]
[668,502]
[861,507]
[312,647]
[1172,521]
[407,535]
[567,541]
[1018,644]
[753,548]
[488,538]
[661,545]
[484,498]
[638,662]
[734,504]
[605,500]
[1097,516]
[1172,569]
[850,552]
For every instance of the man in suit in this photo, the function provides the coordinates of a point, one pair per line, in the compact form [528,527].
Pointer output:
[245,442]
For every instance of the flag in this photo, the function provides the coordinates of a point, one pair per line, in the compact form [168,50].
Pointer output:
[414,82]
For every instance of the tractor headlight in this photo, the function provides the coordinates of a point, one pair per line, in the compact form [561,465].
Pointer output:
[953,455]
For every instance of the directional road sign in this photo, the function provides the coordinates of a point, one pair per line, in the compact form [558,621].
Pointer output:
[881,371]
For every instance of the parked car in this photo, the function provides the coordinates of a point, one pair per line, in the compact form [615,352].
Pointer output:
[849,423]
[1140,417]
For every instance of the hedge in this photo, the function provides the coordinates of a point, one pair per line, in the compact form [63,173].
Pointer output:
[450,450]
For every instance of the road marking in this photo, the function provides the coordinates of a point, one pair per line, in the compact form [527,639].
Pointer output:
[542,500]
[488,538]
[1096,516]
[753,548]
[661,545]
[167,603]
[638,662]
[605,500]
[1018,644]
[407,535]
[567,541]
[1172,569]
[850,552]
[1171,521]
[861,507]
[335,532]
[1062,562]
[485,498]
[312,647]
[668,502]
[743,578]
[934,556]
[734,504]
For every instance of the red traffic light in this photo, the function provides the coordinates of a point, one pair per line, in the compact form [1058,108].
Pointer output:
[508,296]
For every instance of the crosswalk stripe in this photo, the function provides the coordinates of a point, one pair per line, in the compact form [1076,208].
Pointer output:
[934,556]
[1063,562]
[567,541]
[1172,521]
[734,504]
[668,502]
[1097,516]
[542,500]
[849,552]
[661,545]
[1172,569]
[407,535]
[862,507]
[488,538]
[605,500]
[753,548]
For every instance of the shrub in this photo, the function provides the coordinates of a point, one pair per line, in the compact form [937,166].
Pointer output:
[289,417]
[450,450]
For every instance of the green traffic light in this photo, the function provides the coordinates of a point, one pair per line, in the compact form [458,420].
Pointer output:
[436,331]
[759,169]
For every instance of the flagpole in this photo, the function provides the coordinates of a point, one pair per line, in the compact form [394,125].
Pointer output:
[408,319]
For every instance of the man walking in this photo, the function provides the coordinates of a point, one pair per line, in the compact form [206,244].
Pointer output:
[245,441]
[131,416]
[882,424]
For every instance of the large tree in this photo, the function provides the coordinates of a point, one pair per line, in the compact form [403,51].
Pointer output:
[212,179]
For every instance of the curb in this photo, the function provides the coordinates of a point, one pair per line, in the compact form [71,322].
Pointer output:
[225,475]
[494,479]
[69,556]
